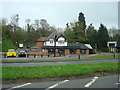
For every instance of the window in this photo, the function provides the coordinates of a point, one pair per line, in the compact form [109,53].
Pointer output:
[51,41]
[61,42]
[45,43]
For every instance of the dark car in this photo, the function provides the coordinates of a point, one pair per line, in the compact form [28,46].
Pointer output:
[22,54]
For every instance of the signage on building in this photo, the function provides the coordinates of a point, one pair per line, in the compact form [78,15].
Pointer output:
[20,45]
[112,44]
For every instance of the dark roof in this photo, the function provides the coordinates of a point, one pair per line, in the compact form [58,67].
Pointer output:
[61,47]
[52,36]
[82,46]
[42,39]
[69,46]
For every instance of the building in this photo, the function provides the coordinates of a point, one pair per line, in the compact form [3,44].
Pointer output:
[56,44]
[112,46]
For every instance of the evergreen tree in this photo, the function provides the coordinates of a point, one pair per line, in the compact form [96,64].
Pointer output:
[81,21]
[103,37]
[91,34]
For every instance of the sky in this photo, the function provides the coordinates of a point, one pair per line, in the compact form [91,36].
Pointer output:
[59,13]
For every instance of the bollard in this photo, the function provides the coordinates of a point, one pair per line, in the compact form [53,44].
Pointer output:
[34,55]
[41,55]
[4,55]
[114,55]
[27,55]
[79,56]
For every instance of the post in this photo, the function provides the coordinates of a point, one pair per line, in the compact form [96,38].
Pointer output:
[4,55]
[55,45]
[79,56]
[41,55]
[27,55]
[114,55]
[34,55]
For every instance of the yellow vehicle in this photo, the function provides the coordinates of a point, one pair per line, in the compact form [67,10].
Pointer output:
[11,53]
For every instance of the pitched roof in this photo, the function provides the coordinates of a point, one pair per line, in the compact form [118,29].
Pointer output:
[42,39]
[52,36]
[82,46]
[89,46]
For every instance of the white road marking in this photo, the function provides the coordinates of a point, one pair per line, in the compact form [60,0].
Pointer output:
[19,86]
[91,82]
[117,83]
[55,85]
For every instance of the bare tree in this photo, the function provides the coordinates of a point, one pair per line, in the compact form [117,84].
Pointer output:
[36,24]
[15,22]
[44,24]
[27,24]
[3,22]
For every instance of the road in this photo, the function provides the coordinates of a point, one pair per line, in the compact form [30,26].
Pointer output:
[109,81]
[55,63]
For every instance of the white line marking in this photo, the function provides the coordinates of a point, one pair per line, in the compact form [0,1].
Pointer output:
[57,84]
[117,83]
[19,86]
[91,82]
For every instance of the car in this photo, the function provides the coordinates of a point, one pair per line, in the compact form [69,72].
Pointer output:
[22,54]
[11,53]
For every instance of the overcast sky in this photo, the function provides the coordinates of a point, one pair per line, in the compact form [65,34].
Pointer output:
[60,13]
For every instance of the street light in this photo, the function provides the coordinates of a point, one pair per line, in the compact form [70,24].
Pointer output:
[55,45]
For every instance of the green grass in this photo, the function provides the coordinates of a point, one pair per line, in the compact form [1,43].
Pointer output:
[89,58]
[55,71]
[102,57]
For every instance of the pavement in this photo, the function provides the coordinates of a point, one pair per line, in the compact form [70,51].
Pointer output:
[47,58]
[109,81]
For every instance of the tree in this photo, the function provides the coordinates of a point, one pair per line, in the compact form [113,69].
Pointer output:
[14,21]
[76,30]
[70,35]
[91,34]
[3,21]
[81,21]
[103,37]
[44,24]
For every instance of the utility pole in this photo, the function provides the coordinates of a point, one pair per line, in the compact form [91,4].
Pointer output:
[55,45]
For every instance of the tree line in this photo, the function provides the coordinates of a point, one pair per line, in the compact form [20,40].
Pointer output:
[78,31]
[13,35]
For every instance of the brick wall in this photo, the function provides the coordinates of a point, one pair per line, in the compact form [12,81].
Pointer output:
[77,51]
[87,51]
[39,45]
[67,52]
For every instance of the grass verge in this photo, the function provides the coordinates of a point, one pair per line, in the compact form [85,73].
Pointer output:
[55,71]
[88,58]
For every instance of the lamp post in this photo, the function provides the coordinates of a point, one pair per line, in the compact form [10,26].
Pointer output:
[55,45]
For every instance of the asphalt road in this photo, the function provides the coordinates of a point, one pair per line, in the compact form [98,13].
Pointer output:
[55,63]
[109,81]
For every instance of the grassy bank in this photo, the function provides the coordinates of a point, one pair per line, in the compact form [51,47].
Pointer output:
[55,71]
[88,58]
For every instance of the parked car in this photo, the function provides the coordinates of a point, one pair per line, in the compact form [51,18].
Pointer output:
[22,54]
[11,53]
